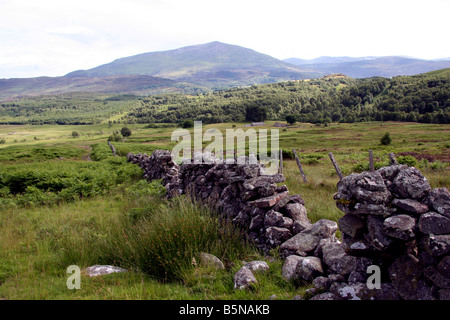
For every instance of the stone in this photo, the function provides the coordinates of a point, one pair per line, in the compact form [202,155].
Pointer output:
[357,276]
[386,292]
[244,279]
[406,276]
[100,270]
[437,245]
[296,211]
[270,201]
[277,235]
[400,227]
[257,266]
[299,226]
[411,184]
[298,297]
[326,296]
[322,283]
[308,268]
[348,291]
[439,200]
[272,218]
[208,259]
[375,227]
[390,172]
[444,266]
[289,267]
[444,294]
[337,260]
[410,205]
[352,225]
[434,223]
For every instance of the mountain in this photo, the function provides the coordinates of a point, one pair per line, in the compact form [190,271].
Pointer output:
[213,64]
[365,67]
[134,84]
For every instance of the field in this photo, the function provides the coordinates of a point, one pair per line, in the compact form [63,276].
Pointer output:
[64,200]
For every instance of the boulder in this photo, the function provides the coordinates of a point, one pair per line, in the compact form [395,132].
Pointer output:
[348,291]
[100,270]
[210,260]
[244,279]
[308,268]
[326,296]
[337,260]
[257,266]
[289,267]
[296,211]
[270,201]
[276,235]
[437,245]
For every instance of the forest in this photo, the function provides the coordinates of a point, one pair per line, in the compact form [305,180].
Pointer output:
[422,98]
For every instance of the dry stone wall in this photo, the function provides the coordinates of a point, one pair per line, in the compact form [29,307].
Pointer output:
[392,220]
[240,192]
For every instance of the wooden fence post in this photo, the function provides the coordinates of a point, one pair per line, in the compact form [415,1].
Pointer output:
[371,164]
[280,167]
[299,165]
[336,167]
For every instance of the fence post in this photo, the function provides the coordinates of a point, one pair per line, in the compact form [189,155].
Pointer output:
[336,167]
[280,167]
[299,165]
[371,164]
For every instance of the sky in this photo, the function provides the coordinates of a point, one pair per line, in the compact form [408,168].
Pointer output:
[55,37]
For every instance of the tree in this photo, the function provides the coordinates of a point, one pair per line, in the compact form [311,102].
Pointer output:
[291,119]
[187,124]
[126,132]
[386,139]
[255,113]
[75,134]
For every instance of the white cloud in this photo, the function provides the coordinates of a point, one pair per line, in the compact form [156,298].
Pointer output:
[55,37]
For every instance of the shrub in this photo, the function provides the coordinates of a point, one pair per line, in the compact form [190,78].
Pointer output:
[75,134]
[187,124]
[2,141]
[408,160]
[386,139]
[126,132]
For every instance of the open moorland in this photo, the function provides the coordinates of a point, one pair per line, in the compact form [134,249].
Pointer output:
[66,200]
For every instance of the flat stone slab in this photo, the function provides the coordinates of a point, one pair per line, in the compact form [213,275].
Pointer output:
[270,201]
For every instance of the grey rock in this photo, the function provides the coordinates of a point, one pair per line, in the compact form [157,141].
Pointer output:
[337,260]
[434,223]
[277,236]
[406,276]
[298,297]
[326,296]
[257,265]
[322,283]
[437,245]
[444,294]
[444,266]
[272,218]
[100,270]
[244,279]
[270,201]
[348,291]
[296,211]
[439,199]
[336,277]
[375,227]
[411,184]
[352,225]
[410,205]
[400,227]
[299,226]
[308,268]
[289,267]
[357,276]
[208,259]
[386,292]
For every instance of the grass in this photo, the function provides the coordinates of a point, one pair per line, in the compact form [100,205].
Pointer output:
[39,242]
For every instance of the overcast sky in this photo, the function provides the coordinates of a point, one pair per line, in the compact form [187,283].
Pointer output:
[54,37]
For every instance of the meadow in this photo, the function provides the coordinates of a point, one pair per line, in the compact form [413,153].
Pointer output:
[64,200]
